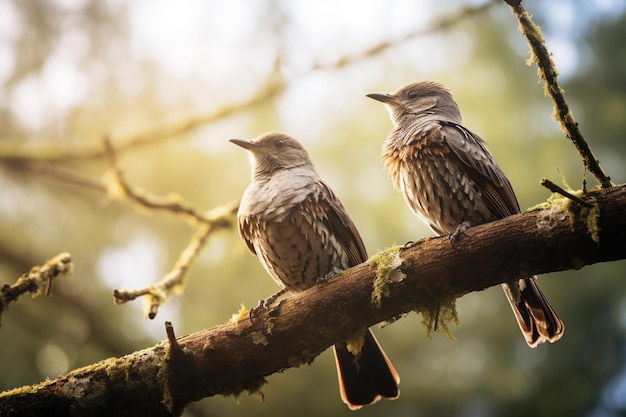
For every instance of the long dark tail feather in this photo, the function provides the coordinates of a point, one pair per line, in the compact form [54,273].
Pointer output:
[367,379]
[536,318]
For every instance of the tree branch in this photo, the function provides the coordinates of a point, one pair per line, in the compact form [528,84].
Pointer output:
[120,187]
[157,294]
[236,356]
[220,218]
[11,151]
[440,23]
[548,75]
[38,278]
[17,152]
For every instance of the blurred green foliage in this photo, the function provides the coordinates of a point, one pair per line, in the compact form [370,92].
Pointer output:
[73,71]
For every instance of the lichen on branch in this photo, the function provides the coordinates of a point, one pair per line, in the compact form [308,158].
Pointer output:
[38,280]
[548,74]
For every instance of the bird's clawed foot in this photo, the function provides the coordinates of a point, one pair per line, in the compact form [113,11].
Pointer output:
[460,231]
[324,280]
[266,303]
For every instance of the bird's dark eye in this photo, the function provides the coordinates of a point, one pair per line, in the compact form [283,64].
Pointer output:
[413,95]
[280,143]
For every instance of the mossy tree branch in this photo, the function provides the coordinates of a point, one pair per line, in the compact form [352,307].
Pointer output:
[235,357]
[548,75]
[38,280]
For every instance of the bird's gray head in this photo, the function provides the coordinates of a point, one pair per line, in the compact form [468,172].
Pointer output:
[274,151]
[424,99]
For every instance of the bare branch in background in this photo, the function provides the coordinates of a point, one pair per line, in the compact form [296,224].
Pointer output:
[443,22]
[173,281]
[120,188]
[273,86]
[66,176]
[548,75]
[15,152]
[37,280]
[220,218]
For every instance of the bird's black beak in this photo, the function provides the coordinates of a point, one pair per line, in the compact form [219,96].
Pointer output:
[383,97]
[245,143]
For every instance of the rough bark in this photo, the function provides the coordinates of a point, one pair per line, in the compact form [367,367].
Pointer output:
[426,276]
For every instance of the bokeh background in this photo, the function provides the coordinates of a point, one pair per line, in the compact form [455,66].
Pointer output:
[72,71]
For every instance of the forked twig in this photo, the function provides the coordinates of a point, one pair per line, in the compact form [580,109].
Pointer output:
[220,218]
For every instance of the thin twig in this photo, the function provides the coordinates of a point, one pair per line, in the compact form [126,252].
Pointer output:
[120,187]
[38,278]
[173,281]
[441,23]
[219,218]
[175,348]
[556,189]
[548,75]
[9,150]
[67,176]
[122,296]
